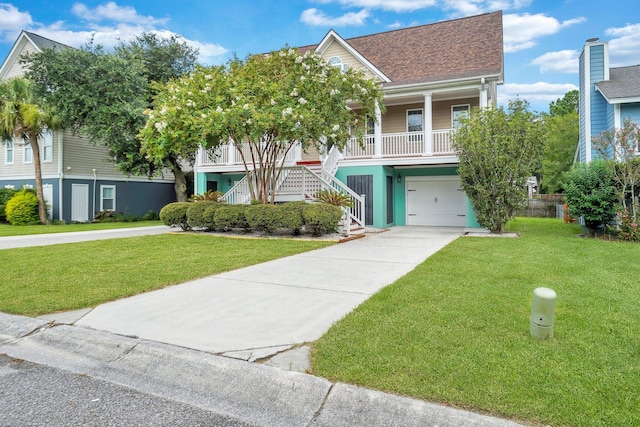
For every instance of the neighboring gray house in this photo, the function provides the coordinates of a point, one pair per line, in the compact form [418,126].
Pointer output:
[78,177]
[608,96]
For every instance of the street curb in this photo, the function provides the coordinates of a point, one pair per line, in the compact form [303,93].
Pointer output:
[248,392]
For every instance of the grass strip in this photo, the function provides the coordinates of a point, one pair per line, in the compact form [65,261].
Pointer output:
[456,330]
[23,230]
[49,279]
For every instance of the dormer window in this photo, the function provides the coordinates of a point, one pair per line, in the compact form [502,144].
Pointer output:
[336,61]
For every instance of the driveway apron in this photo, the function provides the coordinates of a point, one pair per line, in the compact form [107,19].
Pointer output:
[258,311]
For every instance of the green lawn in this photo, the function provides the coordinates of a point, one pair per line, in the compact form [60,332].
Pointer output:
[21,230]
[54,278]
[456,330]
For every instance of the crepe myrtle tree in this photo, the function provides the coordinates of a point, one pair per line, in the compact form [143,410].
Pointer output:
[620,149]
[498,151]
[265,103]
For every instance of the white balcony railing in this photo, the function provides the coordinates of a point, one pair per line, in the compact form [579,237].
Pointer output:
[401,144]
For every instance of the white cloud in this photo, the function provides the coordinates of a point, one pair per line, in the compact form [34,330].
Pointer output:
[459,7]
[12,21]
[106,24]
[112,12]
[535,93]
[562,61]
[624,46]
[522,31]
[316,17]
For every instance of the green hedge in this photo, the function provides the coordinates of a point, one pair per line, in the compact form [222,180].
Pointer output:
[208,216]
[264,217]
[175,214]
[195,214]
[231,216]
[321,218]
[292,216]
[317,218]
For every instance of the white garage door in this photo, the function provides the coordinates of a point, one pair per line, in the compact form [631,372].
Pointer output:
[436,201]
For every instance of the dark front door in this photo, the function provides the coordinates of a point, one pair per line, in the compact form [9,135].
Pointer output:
[363,184]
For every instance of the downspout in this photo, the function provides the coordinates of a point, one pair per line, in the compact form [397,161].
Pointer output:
[95,178]
[60,174]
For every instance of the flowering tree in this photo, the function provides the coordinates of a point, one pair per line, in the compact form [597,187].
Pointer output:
[268,103]
[620,148]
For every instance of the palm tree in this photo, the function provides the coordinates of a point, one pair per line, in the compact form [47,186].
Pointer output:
[22,118]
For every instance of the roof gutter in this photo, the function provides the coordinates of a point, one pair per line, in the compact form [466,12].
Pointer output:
[444,84]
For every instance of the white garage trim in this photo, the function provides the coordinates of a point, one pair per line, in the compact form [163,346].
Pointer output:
[435,201]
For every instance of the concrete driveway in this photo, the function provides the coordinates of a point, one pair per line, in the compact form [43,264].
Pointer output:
[256,312]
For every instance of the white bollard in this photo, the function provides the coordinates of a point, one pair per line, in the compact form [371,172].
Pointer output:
[543,313]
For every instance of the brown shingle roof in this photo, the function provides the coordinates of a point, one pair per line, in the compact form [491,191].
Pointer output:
[449,50]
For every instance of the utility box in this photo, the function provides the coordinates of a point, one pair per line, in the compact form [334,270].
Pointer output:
[543,313]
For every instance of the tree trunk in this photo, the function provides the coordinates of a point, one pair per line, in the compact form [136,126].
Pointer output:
[180,185]
[35,149]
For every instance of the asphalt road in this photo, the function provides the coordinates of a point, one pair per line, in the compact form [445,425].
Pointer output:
[36,395]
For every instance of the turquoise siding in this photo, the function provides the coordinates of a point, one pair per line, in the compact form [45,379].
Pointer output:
[224,182]
[380,173]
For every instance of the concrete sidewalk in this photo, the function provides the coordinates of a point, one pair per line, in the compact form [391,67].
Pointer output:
[251,393]
[11,242]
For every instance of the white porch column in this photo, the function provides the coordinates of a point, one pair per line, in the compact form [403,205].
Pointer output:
[377,133]
[231,155]
[484,99]
[297,154]
[428,125]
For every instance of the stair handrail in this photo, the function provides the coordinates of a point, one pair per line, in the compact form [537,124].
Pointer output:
[354,213]
[330,163]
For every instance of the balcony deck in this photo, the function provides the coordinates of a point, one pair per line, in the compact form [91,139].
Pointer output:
[408,146]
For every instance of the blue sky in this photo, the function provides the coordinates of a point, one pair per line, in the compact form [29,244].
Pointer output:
[542,38]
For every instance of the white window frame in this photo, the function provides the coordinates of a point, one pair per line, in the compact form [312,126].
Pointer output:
[336,61]
[453,115]
[415,135]
[27,149]
[9,147]
[47,145]
[102,198]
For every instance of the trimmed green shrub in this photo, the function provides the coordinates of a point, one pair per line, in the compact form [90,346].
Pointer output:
[175,214]
[195,213]
[292,215]
[264,217]
[22,208]
[208,216]
[3,215]
[321,218]
[230,216]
